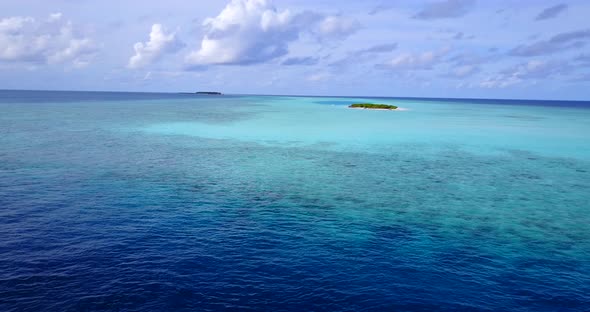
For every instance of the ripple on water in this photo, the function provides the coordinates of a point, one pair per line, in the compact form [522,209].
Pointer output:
[129,220]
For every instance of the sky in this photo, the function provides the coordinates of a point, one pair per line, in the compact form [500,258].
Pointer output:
[436,48]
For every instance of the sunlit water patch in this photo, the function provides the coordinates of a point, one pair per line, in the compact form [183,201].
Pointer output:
[476,128]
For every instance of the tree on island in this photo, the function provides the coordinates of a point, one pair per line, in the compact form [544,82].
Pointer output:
[372,106]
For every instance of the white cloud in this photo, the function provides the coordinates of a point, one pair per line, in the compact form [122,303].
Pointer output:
[319,77]
[463,71]
[152,50]
[148,76]
[529,71]
[499,81]
[254,31]
[540,70]
[416,61]
[412,61]
[337,26]
[75,48]
[50,41]
[245,32]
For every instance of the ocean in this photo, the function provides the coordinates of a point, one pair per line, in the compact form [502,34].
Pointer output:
[179,202]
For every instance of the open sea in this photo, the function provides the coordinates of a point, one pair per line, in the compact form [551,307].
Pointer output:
[179,202]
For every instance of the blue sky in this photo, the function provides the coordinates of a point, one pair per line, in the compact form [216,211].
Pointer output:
[439,48]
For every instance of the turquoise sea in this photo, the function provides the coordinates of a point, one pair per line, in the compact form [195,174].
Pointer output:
[179,202]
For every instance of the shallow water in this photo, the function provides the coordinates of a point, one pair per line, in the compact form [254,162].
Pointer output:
[134,202]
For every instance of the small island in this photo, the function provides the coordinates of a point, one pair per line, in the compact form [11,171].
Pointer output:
[208,93]
[373,106]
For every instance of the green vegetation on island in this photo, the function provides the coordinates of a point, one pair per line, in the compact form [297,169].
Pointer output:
[372,106]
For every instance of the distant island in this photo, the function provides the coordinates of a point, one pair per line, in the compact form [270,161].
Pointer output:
[209,93]
[373,106]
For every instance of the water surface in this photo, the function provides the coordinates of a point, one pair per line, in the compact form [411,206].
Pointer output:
[135,202]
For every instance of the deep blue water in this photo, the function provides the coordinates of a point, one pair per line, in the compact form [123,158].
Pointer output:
[175,202]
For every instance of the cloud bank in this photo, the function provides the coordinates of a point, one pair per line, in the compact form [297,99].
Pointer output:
[254,31]
[50,41]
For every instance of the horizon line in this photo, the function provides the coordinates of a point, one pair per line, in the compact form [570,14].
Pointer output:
[300,95]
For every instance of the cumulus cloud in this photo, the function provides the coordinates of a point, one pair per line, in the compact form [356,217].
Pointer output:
[151,51]
[445,9]
[245,32]
[416,61]
[50,41]
[557,43]
[254,31]
[551,12]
